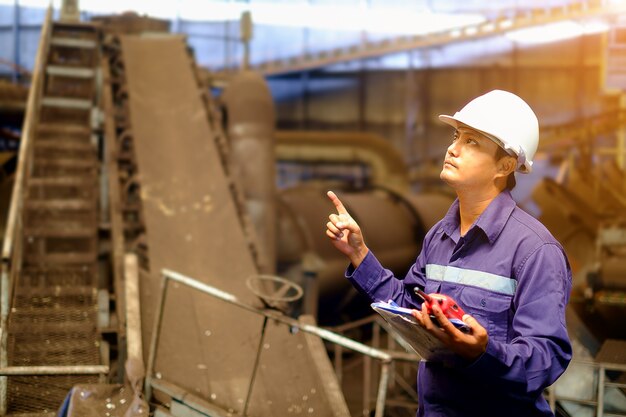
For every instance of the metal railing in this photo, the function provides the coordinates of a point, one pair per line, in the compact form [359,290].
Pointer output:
[403,378]
[596,399]
[386,358]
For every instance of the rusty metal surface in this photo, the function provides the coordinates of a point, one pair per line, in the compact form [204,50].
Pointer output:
[206,347]
[612,352]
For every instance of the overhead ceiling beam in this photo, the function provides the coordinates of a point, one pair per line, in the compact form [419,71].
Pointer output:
[497,26]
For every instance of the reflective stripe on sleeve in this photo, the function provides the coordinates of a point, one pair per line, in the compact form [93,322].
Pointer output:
[491,282]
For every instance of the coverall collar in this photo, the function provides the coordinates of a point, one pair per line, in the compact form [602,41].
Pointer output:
[491,221]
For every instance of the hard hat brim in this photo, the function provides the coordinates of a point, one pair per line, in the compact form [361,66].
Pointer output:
[455,123]
[449,120]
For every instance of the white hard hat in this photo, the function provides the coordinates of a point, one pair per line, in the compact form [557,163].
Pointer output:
[505,117]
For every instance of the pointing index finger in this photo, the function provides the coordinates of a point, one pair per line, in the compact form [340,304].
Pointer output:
[338,204]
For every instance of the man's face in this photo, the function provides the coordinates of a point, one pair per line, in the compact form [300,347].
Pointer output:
[470,160]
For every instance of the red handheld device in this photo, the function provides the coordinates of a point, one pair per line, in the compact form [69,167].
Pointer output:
[448,306]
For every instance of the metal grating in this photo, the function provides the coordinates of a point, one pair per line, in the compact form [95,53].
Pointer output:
[41,394]
[60,348]
[52,277]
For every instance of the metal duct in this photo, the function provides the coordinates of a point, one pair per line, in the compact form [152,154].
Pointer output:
[251,132]
[388,167]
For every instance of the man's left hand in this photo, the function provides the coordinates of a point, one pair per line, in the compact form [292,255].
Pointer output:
[468,345]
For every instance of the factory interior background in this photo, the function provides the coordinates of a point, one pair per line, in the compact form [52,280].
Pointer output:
[163,178]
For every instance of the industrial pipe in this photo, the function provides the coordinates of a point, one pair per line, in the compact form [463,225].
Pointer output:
[250,117]
[388,167]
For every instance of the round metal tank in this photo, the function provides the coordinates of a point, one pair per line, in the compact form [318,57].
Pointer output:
[393,226]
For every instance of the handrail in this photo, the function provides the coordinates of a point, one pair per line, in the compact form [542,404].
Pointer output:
[385,356]
[11,245]
[34,95]
[596,401]
[55,370]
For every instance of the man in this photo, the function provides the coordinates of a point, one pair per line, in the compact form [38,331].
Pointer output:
[497,262]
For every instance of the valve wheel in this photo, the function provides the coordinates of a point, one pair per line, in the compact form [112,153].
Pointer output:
[273,289]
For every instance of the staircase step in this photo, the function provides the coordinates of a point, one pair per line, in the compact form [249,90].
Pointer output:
[75,30]
[56,291]
[77,307]
[61,129]
[34,297]
[37,337]
[63,193]
[52,168]
[55,154]
[76,319]
[61,132]
[65,145]
[52,335]
[41,394]
[74,72]
[42,188]
[76,204]
[61,232]
[67,103]
[64,181]
[56,354]
[73,43]
[64,162]
[62,258]
[60,247]
[69,276]
[22,319]
[46,219]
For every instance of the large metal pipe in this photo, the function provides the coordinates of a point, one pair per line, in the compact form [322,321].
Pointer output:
[388,169]
[250,116]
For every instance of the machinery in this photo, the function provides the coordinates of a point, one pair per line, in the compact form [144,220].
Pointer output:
[127,171]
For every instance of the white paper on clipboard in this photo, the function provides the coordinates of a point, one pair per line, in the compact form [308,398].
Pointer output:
[420,340]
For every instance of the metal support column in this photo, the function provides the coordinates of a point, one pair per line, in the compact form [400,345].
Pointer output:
[154,342]
[382,389]
[256,366]
[16,39]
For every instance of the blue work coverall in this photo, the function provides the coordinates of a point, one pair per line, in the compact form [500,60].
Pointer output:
[513,277]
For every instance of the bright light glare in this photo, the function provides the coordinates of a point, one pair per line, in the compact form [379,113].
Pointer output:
[554,32]
[590,28]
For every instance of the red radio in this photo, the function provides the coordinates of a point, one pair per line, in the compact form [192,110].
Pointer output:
[448,306]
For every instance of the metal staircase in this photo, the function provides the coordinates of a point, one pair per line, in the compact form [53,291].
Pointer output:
[50,339]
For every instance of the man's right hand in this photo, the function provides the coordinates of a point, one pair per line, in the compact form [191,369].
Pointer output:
[345,233]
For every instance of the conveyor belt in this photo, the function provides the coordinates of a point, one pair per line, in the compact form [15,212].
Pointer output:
[207,347]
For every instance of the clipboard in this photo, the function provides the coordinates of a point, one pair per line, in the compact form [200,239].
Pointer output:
[420,340]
